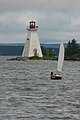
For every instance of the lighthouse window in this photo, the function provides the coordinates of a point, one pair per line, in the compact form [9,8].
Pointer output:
[27,38]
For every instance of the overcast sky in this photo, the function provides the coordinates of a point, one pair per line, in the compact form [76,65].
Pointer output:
[58,20]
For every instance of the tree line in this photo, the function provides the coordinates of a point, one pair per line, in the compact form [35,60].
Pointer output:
[72,51]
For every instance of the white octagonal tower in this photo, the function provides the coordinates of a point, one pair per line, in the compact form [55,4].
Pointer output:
[32,45]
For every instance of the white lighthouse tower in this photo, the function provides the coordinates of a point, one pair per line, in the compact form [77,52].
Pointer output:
[32,45]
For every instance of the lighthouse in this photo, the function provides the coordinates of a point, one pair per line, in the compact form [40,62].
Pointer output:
[32,45]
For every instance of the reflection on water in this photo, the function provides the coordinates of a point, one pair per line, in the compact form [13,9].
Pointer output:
[28,93]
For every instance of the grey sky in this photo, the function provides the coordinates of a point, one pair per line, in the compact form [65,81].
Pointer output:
[57,19]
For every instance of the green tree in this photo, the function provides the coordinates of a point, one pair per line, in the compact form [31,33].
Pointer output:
[68,49]
[72,49]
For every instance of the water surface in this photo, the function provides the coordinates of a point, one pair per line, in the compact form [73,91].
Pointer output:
[28,93]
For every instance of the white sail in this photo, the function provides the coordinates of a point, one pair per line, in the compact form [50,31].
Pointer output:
[60,57]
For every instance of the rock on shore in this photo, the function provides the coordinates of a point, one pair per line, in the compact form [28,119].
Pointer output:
[18,59]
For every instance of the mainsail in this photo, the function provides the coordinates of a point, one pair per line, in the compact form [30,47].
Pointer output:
[60,57]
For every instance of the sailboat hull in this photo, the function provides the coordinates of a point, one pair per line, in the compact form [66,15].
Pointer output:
[56,76]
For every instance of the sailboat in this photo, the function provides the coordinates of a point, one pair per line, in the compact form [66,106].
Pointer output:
[58,74]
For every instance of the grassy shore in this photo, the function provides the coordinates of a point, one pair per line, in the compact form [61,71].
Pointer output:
[43,58]
[73,58]
[77,58]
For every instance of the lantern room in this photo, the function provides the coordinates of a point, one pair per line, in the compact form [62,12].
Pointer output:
[32,26]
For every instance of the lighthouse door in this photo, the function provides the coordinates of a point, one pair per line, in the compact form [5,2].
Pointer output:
[35,52]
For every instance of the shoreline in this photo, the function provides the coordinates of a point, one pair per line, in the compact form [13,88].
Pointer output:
[27,59]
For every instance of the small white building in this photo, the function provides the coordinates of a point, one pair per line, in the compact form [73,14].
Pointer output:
[32,45]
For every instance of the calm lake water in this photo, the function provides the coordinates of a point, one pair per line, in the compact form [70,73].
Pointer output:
[28,93]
